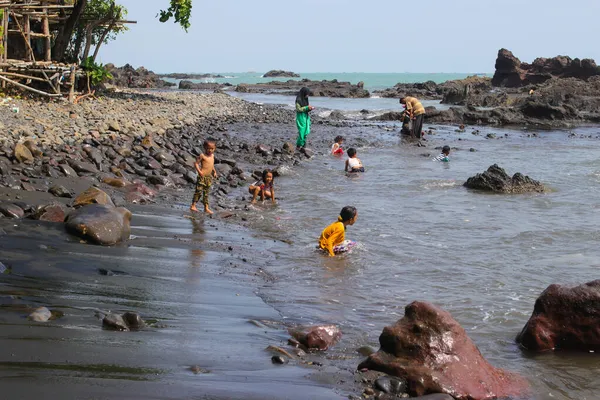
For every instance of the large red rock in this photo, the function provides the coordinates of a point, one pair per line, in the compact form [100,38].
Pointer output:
[319,337]
[433,353]
[564,318]
[100,224]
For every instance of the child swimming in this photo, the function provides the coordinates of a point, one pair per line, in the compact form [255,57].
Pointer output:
[444,155]
[265,188]
[333,237]
[336,148]
[353,163]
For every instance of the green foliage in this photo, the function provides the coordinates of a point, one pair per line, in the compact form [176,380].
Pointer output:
[180,11]
[97,72]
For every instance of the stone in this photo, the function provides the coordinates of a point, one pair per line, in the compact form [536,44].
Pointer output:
[93,195]
[231,163]
[496,180]
[50,213]
[433,353]
[67,171]
[41,314]
[279,360]
[133,321]
[115,182]
[35,151]
[159,180]
[114,322]
[114,126]
[319,337]
[22,154]
[223,169]
[100,224]
[564,318]
[83,167]
[10,210]
[60,191]
[390,385]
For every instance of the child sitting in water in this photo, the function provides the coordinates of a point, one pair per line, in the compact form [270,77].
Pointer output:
[353,164]
[333,237]
[265,188]
[336,149]
[444,155]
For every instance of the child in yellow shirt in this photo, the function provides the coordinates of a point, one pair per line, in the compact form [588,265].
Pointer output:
[333,237]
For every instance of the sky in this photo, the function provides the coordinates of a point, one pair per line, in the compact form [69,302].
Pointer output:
[354,36]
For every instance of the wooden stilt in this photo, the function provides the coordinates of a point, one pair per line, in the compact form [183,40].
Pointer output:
[46,32]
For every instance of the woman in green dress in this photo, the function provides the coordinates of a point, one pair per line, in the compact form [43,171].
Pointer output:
[302,116]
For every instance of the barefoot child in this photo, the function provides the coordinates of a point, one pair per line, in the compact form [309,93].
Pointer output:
[265,188]
[353,163]
[336,149]
[333,237]
[205,166]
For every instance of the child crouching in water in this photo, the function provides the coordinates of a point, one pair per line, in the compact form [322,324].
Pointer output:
[205,166]
[336,148]
[353,164]
[333,237]
[265,188]
[444,156]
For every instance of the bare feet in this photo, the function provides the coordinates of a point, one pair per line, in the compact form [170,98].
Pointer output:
[193,208]
[207,210]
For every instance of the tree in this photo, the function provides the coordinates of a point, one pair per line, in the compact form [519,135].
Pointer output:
[64,35]
[180,11]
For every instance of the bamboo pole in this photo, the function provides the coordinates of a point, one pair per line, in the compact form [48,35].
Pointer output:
[72,90]
[48,42]
[14,74]
[24,38]
[5,40]
[27,31]
[5,79]
[49,80]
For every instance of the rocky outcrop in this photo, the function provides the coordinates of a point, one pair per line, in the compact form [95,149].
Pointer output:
[511,72]
[496,180]
[277,73]
[127,76]
[189,85]
[100,224]
[564,318]
[319,337]
[178,75]
[323,88]
[429,350]
[428,90]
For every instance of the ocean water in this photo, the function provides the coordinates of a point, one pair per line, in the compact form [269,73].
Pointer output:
[372,81]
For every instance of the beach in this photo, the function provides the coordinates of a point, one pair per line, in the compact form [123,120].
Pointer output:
[217,291]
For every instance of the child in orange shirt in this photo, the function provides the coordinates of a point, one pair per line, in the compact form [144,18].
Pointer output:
[333,237]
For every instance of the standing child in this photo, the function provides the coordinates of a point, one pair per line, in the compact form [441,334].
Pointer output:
[265,188]
[333,237]
[353,164]
[302,116]
[205,166]
[336,149]
[444,155]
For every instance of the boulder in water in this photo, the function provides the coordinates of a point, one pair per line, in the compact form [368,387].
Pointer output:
[430,351]
[564,318]
[496,180]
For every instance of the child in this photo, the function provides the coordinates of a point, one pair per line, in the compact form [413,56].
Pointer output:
[353,164]
[333,237]
[336,149]
[265,188]
[205,166]
[444,156]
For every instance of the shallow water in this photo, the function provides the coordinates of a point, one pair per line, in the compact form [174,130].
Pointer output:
[423,236]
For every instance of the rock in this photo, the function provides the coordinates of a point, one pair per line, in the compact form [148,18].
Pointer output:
[80,166]
[67,171]
[223,169]
[365,350]
[114,125]
[93,195]
[277,73]
[159,180]
[433,353]
[60,191]
[50,213]
[496,180]
[307,152]
[114,322]
[196,369]
[337,115]
[41,314]
[11,210]
[35,151]
[319,337]
[115,182]
[133,321]
[390,385]
[22,154]
[435,396]
[289,147]
[564,318]
[279,360]
[3,268]
[101,224]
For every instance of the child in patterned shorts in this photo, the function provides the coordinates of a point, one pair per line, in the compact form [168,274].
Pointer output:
[205,166]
